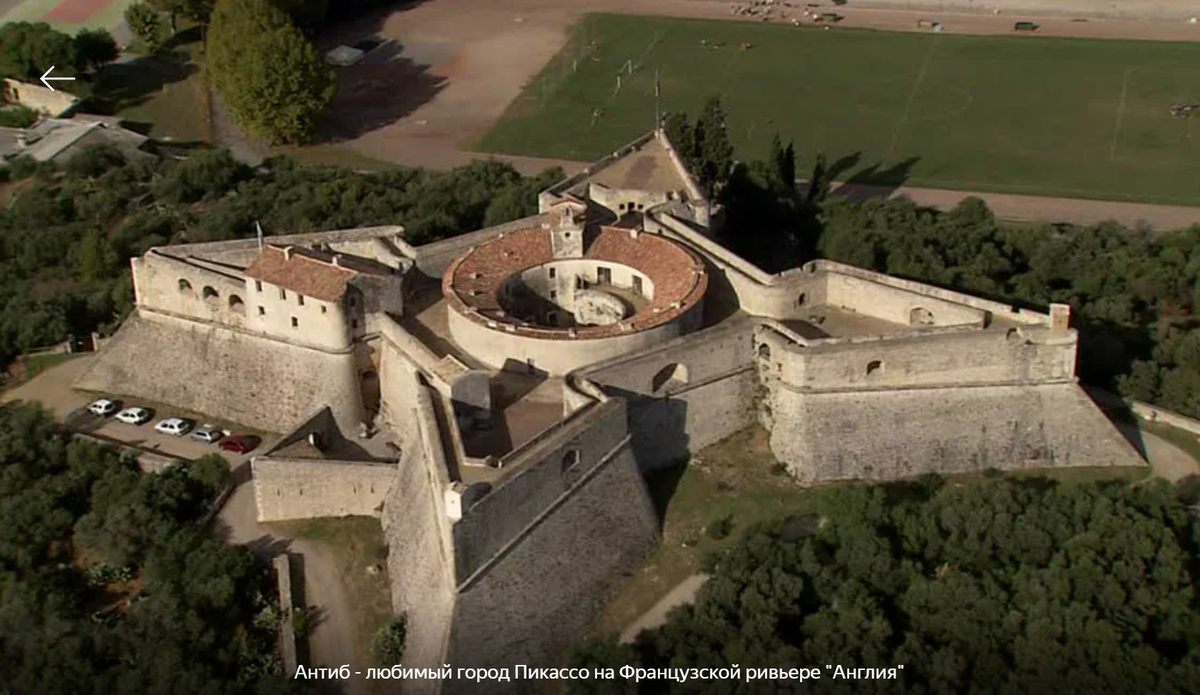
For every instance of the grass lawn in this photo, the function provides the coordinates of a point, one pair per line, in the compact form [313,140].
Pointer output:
[1065,117]
[162,95]
[737,479]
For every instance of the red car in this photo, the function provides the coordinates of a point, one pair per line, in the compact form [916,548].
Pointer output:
[241,443]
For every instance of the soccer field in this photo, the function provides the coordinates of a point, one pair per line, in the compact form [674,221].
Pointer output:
[1021,114]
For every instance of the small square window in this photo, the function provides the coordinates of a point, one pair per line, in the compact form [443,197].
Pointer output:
[295,323]
[282,293]
[300,299]
[258,285]
[552,273]
[262,311]
[354,324]
[353,302]
[323,309]
[553,294]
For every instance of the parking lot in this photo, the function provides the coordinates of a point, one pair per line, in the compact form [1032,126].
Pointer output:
[53,389]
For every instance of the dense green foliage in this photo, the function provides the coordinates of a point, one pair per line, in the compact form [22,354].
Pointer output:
[96,47]
[270,75]
[66,238]
[1135,294]
[1001,586]
[145,23]
[27,50]
[387,645]
[984,113]
[18,117]
[108,586]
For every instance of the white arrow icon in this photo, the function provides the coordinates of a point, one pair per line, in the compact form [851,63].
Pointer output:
[45,79]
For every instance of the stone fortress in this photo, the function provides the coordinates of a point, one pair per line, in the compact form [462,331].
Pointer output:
[495,398]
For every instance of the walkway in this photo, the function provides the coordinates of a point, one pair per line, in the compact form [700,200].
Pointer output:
[683,594]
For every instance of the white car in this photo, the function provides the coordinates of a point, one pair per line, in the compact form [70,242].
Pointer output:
[173,426]
[134,416]
[103,407]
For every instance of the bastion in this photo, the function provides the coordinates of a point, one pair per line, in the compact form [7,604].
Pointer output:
[495,398]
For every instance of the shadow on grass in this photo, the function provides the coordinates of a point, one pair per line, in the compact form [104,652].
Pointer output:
[130,83]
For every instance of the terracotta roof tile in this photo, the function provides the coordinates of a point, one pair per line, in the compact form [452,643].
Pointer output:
[315,274]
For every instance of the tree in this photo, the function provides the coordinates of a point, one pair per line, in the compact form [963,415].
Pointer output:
[27,50]
[712,146]
[387,645]
[96,47]
[144,22]
[269,75]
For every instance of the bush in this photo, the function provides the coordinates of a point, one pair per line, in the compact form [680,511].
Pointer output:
[720,529]
[388,644]
[18,117]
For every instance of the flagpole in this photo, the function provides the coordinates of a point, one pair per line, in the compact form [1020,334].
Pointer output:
[657,112]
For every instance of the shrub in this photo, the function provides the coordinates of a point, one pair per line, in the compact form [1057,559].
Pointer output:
[388,644]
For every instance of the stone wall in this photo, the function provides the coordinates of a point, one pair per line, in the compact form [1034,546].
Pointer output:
[956,358]
[500,349]
[225,373]
[686,394]
[548,470]
[900,305]
[895,433]
[539,594]
[420,548]
[295,488]
[173,285]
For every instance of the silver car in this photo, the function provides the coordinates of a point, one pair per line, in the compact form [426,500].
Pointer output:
[208,434]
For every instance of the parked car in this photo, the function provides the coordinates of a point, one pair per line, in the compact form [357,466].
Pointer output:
[241,443]
[174,426]
[103,407]
[134,416]
[208,434]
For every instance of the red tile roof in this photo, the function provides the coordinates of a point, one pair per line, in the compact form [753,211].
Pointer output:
[472,282]
[315,274]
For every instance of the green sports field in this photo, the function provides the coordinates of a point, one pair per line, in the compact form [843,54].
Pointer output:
[1021,114]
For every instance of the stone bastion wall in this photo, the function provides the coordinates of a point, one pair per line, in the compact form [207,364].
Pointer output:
[221,371]
[300,488]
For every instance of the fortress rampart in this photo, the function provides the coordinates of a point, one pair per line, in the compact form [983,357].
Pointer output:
[299,488]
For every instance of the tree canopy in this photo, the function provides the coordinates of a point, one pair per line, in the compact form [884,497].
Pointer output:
[1004,586]
[268,73]
[28,50]
[108,586]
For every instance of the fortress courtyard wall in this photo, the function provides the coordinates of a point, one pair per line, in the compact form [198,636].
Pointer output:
[549,467]
[297,488]
[686,394]
[537,596]
[224,372]
[939,358]
[892,433]
[420,546]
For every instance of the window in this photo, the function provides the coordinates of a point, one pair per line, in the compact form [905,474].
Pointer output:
[295,323]
[801,299]
[324,309]
[353,302]
[570,459]
[209,292]
[236,304]
[637,284]
[258,285]
[764,351]
[553,294]
[262,311]
[604,275]
[300,299]
[184,285]
[874,367]
[282,293]
[354,324]
[920,316]
[552,318]
[580,282]
[671,376]
[551,272]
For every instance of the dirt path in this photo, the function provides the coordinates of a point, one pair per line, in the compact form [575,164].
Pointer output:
[331,642]
[683,594]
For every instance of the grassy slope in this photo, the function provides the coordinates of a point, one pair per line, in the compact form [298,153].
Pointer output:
[1067,117]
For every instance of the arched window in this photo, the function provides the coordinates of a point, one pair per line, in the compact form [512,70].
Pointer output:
[236,304]
[764,352]
[801,299]
[671,376]
[874,367]
[209,292]
[185,286]
[920,316]
[570,459]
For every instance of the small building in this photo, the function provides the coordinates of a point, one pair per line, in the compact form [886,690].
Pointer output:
[52,102]
[59,139]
